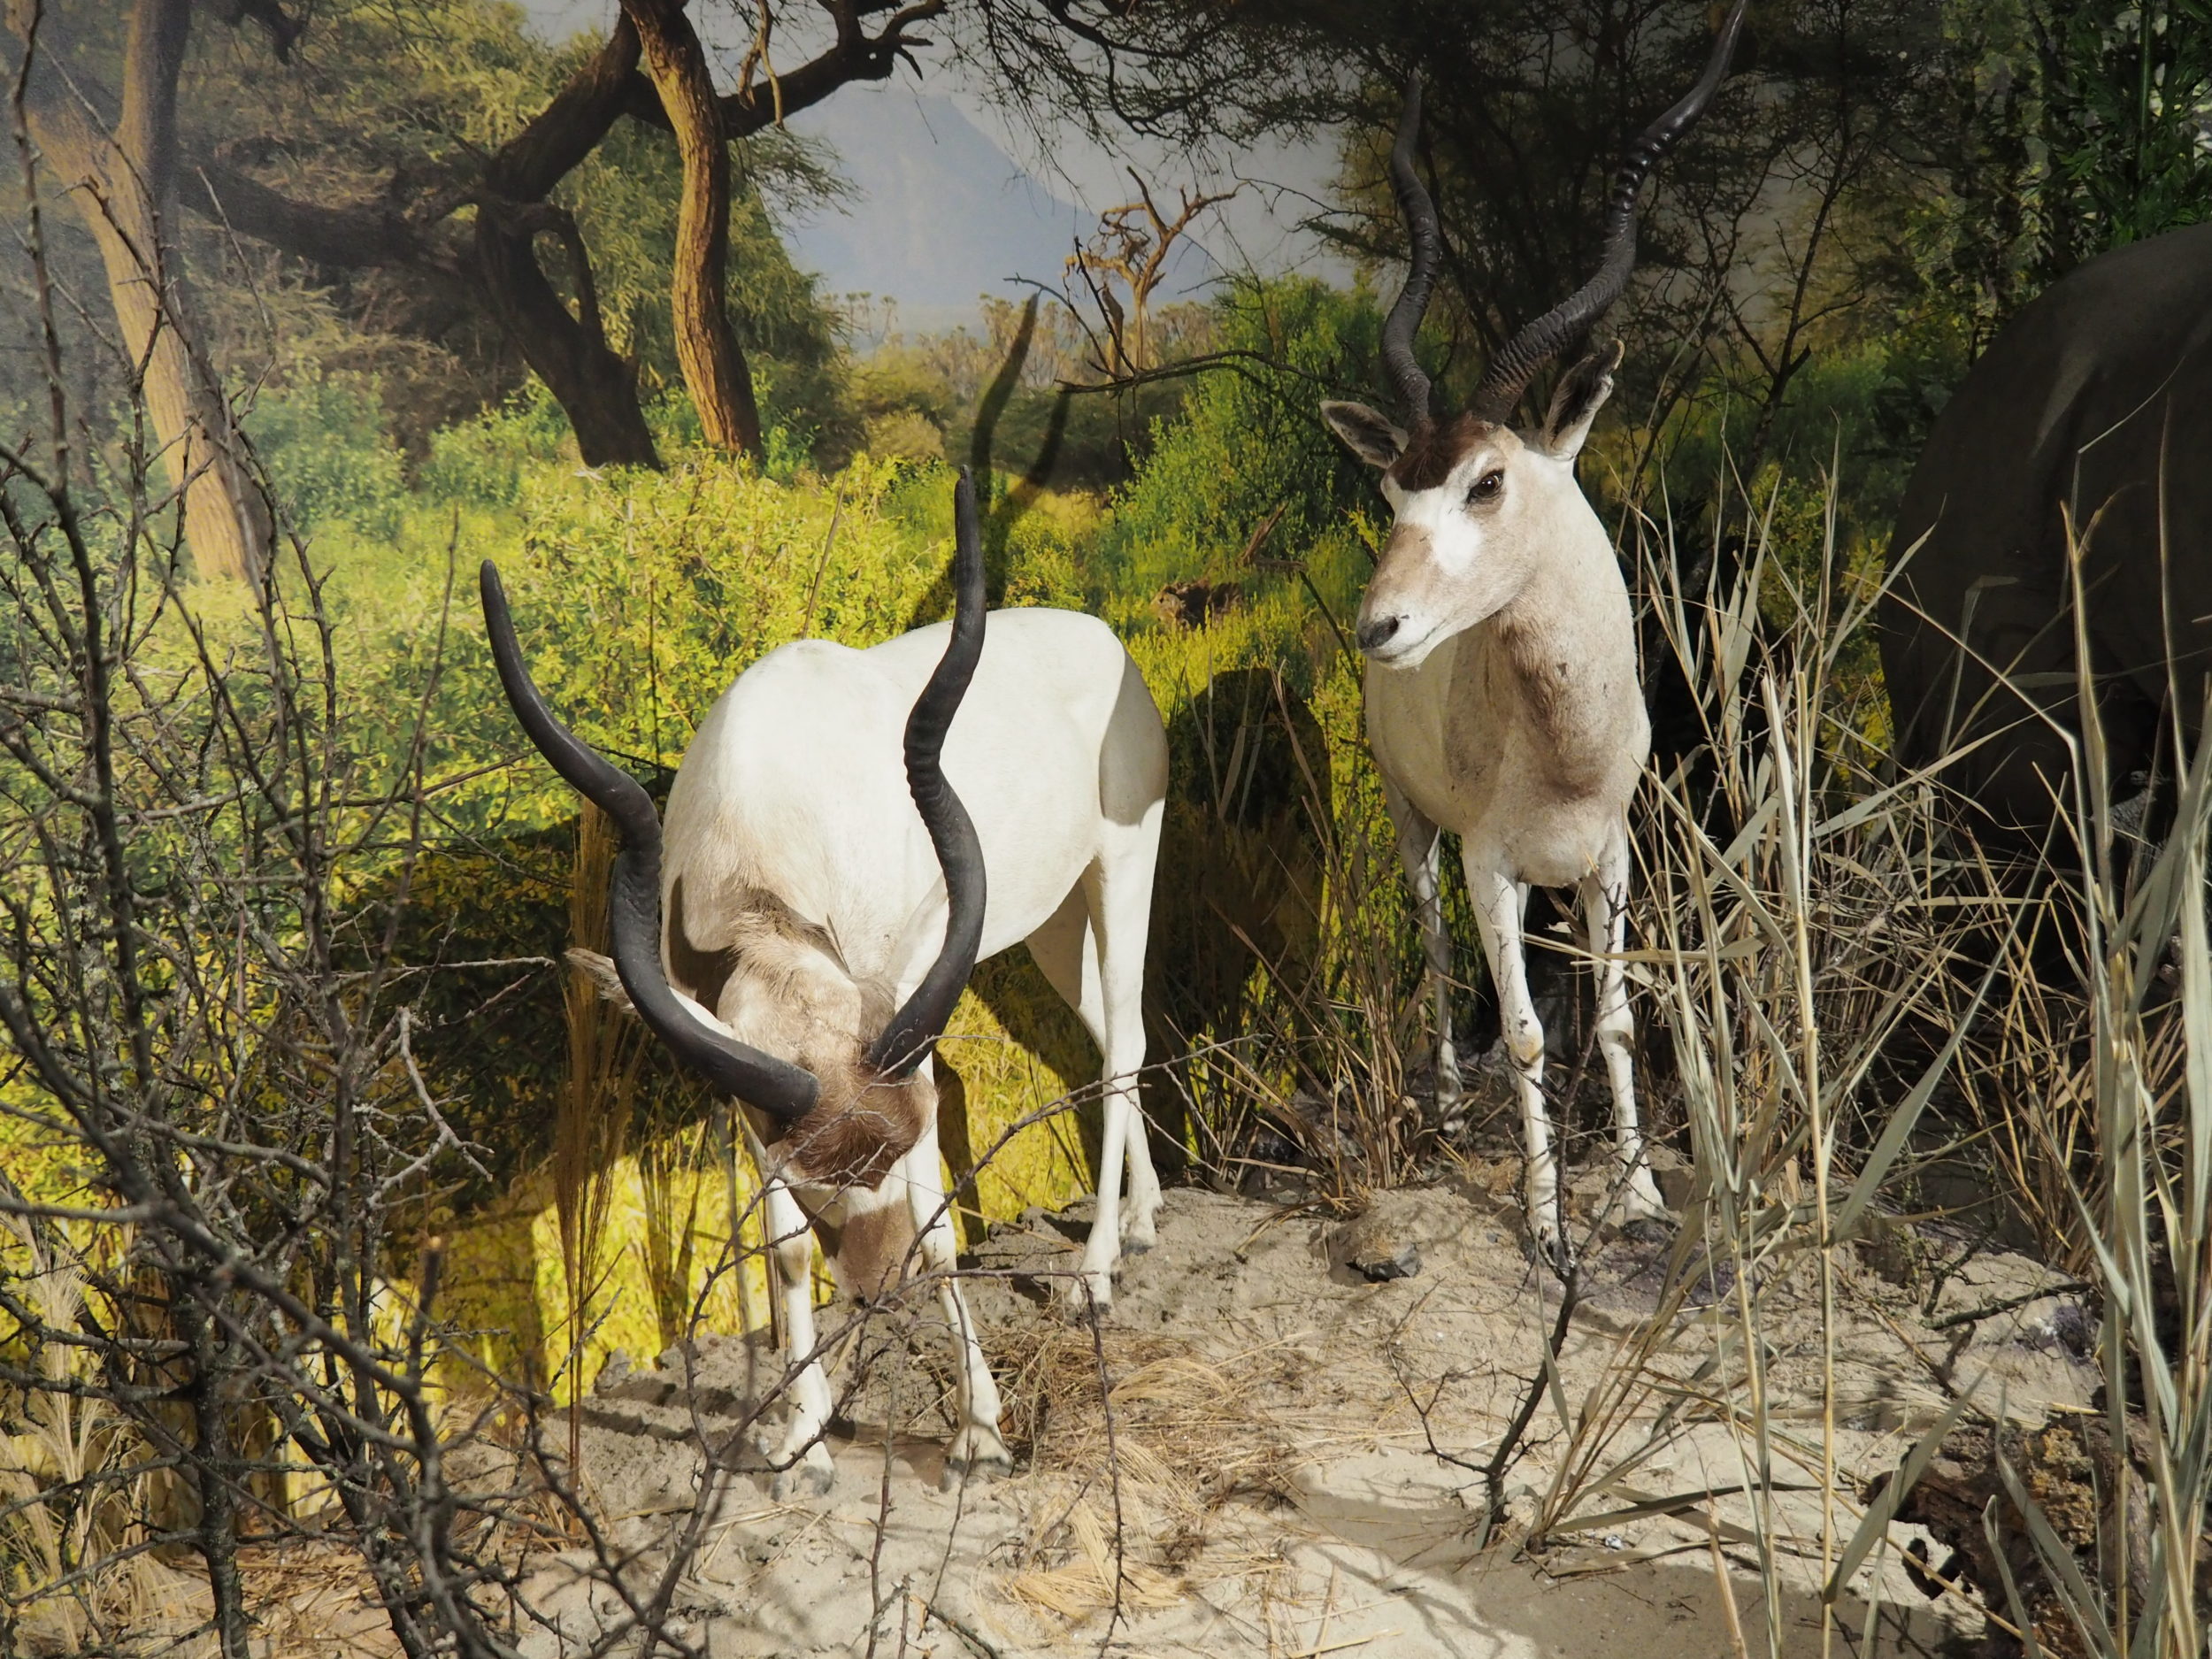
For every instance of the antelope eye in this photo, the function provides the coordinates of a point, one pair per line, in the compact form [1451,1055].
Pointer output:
[1485,488]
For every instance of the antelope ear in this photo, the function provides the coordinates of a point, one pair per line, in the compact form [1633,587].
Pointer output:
[1366,433]
[600,972]
[1581,392]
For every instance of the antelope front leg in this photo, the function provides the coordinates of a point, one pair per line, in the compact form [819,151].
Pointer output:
[1499,905]
[1605,915]
[802,1463]
[977,1449]
[1140,1214]
[1417,845]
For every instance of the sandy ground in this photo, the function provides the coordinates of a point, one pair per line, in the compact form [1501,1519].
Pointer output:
[1275,1487]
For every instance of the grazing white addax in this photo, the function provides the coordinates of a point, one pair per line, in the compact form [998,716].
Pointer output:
[1503,702]
[826,904]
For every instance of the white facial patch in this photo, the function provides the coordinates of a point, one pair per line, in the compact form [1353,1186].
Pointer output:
[1455,529]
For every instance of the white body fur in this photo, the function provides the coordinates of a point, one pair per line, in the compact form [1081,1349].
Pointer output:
[795,787]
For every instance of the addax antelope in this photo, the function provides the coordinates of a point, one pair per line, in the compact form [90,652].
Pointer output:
[1502,697]
[825,904]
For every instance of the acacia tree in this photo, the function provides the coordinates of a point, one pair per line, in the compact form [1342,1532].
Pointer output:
[454,210]
[713,364]
[1132,246]
[523,260]
[1527,106]
[410,217]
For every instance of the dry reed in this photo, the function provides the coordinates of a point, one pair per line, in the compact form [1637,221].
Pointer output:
[592,1122]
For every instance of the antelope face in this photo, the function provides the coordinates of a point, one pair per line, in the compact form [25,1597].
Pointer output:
[787,991]
[750,967]
[865,1220]
[842,1159]
[789,997]
[1477,509]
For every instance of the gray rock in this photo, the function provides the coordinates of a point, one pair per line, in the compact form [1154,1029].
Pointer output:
[1378,1269]
[1384,1241]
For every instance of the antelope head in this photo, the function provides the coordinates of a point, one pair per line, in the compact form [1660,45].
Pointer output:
[1480,505]
[837,1066]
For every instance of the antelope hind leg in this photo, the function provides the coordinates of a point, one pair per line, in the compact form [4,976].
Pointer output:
[1604,909]
[1118,892]
[1418,845]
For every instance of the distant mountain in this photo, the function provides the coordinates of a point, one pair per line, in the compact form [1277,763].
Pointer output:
[940,213]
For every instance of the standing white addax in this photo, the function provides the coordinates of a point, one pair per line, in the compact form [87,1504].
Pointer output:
[1503,702]
[827,901]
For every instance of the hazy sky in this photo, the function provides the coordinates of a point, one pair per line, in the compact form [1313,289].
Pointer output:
[892,135]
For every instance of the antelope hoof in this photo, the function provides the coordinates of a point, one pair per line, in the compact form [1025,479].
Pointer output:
[976,1454]
[1450,1112]
[1069,1297]
[811,1477]
[1140,1228]
[1640,1202]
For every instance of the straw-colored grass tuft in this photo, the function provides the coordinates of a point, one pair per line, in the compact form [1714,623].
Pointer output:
[1171,1442]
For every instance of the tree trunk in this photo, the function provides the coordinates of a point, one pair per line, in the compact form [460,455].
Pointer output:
[596,387]
[121,184]
[714,367]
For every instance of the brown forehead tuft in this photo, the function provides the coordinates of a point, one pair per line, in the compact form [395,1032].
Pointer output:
[1435,449]
[862,1127]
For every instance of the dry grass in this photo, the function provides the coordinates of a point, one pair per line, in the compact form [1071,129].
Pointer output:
[74,1509]
[1850,998]
[592,1122]
[1168,1441]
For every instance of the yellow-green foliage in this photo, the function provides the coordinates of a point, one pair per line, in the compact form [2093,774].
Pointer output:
[664,1262]
[638,597]
[37,1155]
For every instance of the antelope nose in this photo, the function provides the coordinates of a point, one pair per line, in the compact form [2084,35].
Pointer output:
[1376,634]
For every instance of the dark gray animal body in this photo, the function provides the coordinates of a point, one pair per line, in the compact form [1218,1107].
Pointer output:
[2093,407]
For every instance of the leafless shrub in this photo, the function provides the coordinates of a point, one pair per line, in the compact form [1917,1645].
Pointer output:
[221,1339]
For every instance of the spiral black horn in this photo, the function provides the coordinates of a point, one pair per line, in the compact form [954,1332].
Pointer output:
[1566,324]
[913,1032]
[1420,213]
[633,891]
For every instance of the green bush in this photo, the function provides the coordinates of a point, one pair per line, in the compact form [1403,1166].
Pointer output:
[639,596]
[323,443]
[483,460]
[1250,439]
